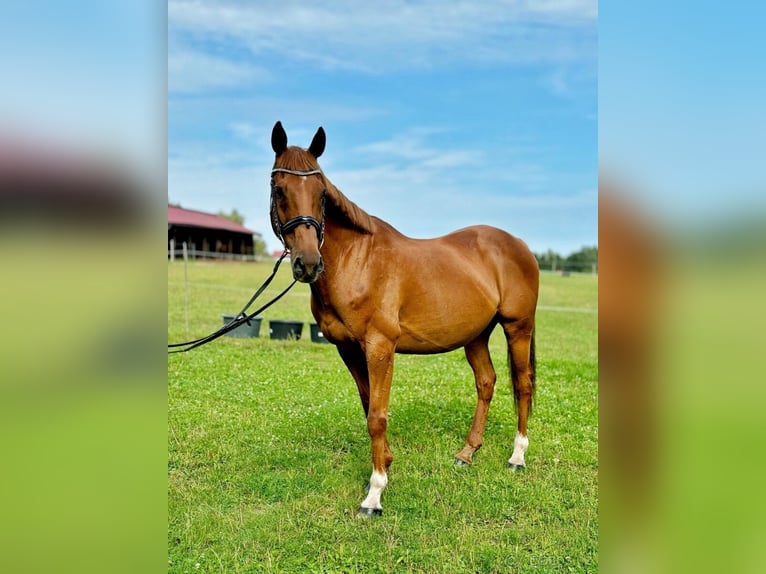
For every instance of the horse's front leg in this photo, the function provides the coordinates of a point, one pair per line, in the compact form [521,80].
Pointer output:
[379,352]
[355,361]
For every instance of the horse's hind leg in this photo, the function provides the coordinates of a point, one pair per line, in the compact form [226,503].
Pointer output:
[521,361]
[477,353]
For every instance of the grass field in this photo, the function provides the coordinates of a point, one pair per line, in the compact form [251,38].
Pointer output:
[268,451]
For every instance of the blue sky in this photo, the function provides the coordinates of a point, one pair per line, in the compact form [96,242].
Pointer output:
[438,115]
[86,75]
[682,106]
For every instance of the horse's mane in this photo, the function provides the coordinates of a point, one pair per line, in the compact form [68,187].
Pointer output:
[340,207]
[347,210]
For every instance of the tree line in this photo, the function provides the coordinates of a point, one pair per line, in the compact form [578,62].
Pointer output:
[584,261]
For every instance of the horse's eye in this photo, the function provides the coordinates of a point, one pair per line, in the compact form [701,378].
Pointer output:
[279,193]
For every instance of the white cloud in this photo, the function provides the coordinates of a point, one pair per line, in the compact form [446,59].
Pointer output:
[376,37]
[402,146]
[195,71]
[411,148]
[574,10]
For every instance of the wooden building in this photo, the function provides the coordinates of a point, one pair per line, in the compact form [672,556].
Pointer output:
[207,235]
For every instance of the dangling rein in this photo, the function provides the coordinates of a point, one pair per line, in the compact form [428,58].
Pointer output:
[241,318]
[280,229]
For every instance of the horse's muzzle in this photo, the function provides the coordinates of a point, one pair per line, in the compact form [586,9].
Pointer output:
[307,271]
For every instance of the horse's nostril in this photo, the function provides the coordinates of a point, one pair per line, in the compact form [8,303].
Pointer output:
[299,266]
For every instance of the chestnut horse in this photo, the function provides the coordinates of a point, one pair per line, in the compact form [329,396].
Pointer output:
[375,292]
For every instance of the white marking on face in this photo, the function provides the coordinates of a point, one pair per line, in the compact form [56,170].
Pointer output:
[520,444]
[378,482]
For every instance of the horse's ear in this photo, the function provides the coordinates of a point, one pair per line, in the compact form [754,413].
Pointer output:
[317,144]
[278,139]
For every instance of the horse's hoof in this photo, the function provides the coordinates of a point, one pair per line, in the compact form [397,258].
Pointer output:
[461,462]
[368,512]
[515,467]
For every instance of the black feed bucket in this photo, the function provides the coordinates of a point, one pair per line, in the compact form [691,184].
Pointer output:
[316,335]
[285,329]
[244,330]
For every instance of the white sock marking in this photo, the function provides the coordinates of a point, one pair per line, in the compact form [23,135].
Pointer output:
[520,444]
[378,482]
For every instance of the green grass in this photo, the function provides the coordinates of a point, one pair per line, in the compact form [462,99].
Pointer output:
[269,452]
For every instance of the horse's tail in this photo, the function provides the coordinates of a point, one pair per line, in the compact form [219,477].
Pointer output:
[532,370]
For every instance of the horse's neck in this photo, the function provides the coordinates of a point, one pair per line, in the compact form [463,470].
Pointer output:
[345,241]
[344,247]
[348,238]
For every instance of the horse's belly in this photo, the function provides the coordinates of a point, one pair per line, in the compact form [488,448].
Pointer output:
[441,334]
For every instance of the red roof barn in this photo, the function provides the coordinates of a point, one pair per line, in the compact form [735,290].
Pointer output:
[207,235]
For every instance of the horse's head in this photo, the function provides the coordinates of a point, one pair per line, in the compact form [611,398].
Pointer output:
[297,202]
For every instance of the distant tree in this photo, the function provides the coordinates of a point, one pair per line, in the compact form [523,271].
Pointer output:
[259,246]
[550,260]
[584,260]
[234,216]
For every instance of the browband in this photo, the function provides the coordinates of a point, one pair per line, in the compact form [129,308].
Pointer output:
[295,171]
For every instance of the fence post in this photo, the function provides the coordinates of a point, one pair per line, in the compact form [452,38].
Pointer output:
[172,249]
[186,288]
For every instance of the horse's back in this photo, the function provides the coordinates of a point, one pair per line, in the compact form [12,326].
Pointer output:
[493,243]
[497,249]
[487,237]
[451,287]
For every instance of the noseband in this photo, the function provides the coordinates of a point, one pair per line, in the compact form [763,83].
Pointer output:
[282,229]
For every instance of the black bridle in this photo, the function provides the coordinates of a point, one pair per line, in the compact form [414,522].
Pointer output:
[282,229]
